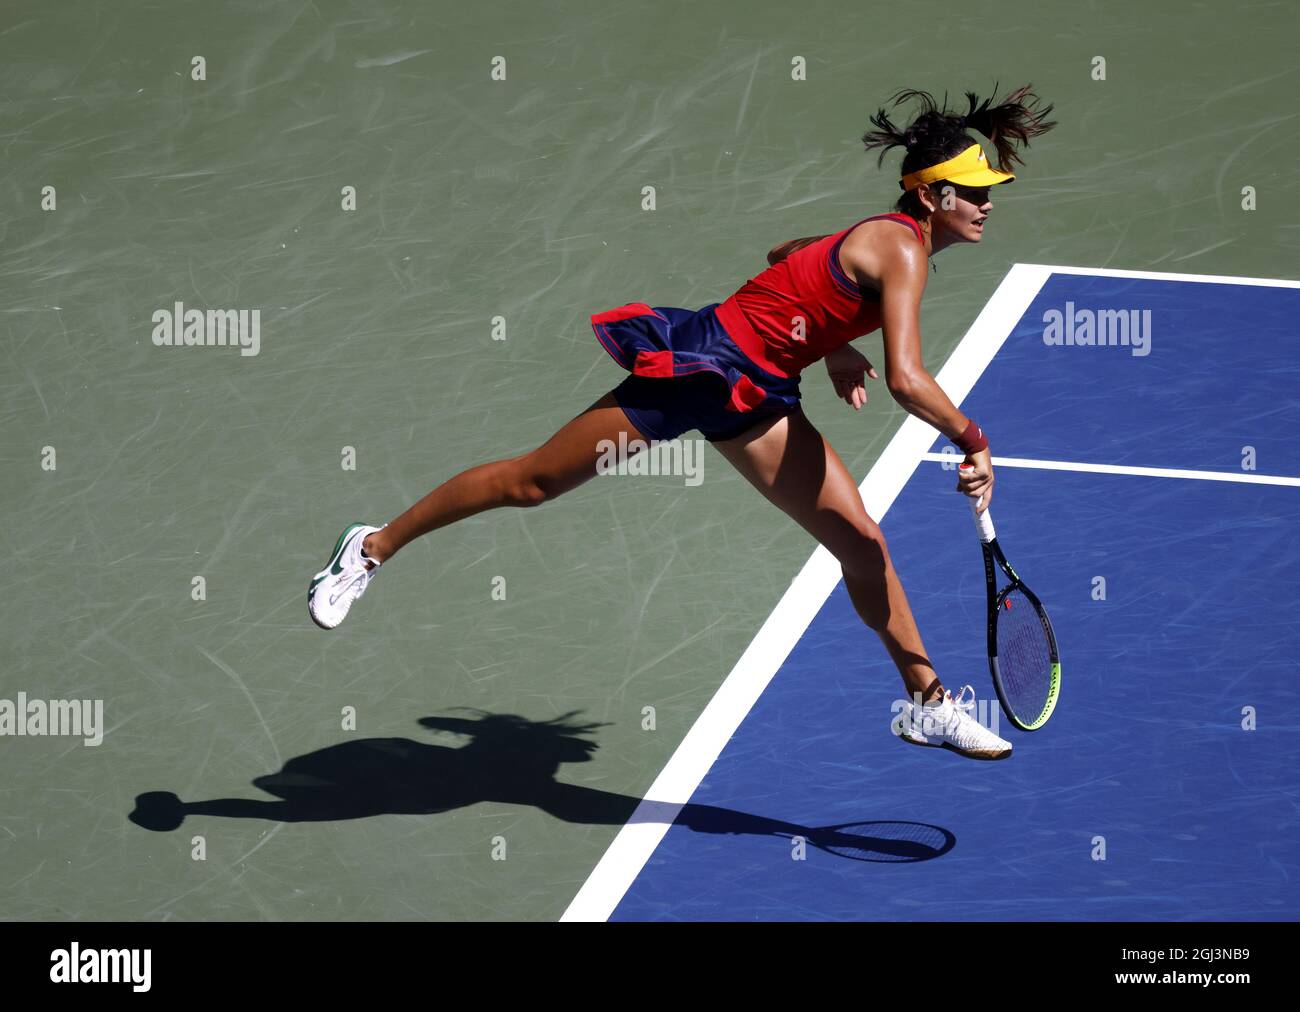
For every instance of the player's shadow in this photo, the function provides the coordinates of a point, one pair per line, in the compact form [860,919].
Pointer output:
[507,759]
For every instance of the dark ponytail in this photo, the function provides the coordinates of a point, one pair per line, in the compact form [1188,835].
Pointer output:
[1009,124]
[937,134]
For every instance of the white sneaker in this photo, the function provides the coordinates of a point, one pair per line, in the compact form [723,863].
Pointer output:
[950,725]
[344,578]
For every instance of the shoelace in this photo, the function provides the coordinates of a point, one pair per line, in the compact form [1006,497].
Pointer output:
[960,703]
[966,706]
[354,589]
[969,730]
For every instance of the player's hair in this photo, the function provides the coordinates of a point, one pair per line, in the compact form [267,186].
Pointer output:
[937,133]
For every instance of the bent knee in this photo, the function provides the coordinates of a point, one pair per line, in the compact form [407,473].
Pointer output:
[865,555]
[526,495]
[526,492]
[524,485]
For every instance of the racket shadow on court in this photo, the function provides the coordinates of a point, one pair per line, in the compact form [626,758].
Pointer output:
[508,759]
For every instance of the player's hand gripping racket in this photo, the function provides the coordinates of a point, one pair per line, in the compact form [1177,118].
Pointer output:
[1023,660]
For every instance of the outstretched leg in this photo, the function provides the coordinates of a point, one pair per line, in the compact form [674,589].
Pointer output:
[793,465]
[563,462]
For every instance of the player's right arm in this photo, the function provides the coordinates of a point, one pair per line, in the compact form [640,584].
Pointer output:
[898,268]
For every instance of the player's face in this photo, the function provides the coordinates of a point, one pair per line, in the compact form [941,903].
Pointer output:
[963,210]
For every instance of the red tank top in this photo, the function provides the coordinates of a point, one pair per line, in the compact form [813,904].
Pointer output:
[804,306]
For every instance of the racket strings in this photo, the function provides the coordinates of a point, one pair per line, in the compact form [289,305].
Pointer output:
[1024,657]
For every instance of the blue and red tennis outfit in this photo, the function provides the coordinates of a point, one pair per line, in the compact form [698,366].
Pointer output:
[724,368]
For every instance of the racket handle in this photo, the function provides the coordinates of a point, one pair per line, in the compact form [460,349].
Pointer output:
[983,521]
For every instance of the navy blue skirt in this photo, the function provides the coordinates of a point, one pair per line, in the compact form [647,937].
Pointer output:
[687,373]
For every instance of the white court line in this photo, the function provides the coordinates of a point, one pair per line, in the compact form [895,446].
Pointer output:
[699,750]
[1149,472]
[1207,279]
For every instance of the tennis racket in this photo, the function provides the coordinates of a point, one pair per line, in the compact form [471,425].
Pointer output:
[1023,659]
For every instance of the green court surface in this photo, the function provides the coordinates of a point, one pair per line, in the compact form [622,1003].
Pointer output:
[475,199]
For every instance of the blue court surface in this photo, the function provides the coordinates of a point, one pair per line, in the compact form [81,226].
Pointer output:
[1166,480]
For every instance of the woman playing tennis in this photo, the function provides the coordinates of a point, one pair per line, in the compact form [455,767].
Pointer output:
[731,370]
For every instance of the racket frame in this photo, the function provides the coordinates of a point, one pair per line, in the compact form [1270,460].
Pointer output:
[996,598]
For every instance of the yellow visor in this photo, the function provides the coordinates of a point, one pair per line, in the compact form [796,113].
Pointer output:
[970,168]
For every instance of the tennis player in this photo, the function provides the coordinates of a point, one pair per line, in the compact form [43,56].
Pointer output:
[731,370]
